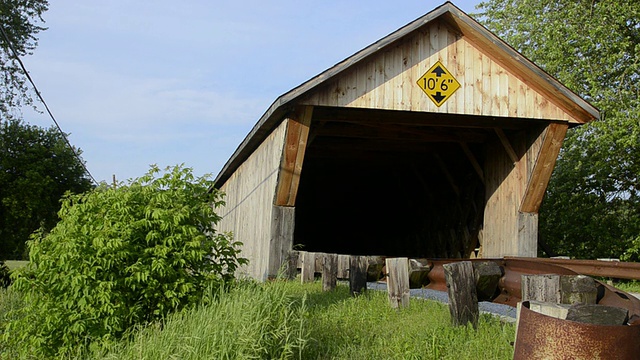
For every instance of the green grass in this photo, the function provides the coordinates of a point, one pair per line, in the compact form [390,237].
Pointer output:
[15,264]
[628,285]
[286,320]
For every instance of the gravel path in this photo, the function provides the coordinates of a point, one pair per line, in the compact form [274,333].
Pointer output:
[505,312]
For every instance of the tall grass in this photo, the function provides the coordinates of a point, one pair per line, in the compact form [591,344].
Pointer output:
[250,322]
[10,302]
[287,320]
[341,327]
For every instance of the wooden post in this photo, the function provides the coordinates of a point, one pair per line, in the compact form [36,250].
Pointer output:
[308,267]
[343,267]
[461,287]
[358,274]
[398,281]
[329,271]
[292,264]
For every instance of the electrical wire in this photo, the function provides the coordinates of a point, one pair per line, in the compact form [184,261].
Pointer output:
[64,136]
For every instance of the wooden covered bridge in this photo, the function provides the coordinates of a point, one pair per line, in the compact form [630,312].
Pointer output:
[435,141]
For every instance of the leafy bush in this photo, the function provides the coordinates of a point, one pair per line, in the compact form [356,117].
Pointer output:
[120,257]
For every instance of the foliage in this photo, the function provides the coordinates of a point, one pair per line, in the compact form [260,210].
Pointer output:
[260,322]
[21,20]
[11,301]
[5,280]
[37,168]
[592,206]
[252,321]
[121,257]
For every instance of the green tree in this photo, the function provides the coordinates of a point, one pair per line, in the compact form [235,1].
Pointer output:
[592,206]
[119,258]
[37,168]
[21,21]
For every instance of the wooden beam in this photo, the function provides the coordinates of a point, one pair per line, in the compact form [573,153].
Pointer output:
[473,160]
[543,168]
[507,145]
[293,156]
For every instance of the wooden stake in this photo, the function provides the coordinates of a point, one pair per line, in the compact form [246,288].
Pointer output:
[343,267]
[398,281]
[461,287]
[308,267]
[292,264]
[329,272]
[358,274]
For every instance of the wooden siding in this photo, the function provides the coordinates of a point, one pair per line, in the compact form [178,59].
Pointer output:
[249,203]
[387,80]
[506,230]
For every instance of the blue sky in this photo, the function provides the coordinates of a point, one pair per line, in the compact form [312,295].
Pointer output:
[169,82]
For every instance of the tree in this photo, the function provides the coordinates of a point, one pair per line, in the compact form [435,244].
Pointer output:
[21,21]
[37,167]
[592,206]
[121,257]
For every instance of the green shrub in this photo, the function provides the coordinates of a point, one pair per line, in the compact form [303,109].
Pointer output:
[121,257]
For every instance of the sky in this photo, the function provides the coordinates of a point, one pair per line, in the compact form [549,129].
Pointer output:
[162,82]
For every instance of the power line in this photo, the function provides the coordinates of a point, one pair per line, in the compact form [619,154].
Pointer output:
[24,69]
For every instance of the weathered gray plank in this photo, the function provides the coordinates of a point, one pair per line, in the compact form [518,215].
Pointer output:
[343,267]
[329,272]
[308,266]
[398,281]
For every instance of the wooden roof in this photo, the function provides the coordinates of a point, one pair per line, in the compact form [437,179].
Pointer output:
[332,87]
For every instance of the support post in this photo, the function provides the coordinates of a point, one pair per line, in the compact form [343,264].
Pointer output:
[461,287]
[358,274]
[292,264]
[329,272]
[398,281]
[343,267]
[308,267]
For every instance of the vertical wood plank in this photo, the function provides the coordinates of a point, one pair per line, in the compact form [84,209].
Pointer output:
[281,243]
[308,267]
[461,287]
[398,281]
[343,266]
[329,272]
[527,234]
[358,274]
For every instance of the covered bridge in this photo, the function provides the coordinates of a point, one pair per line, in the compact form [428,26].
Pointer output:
[435,141]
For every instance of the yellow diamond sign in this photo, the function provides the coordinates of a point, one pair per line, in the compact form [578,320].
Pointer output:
[438,84]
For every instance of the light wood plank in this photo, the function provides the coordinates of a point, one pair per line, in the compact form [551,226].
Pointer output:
[293,156]
[543,168]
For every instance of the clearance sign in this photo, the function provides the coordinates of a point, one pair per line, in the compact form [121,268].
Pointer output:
[438,84]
